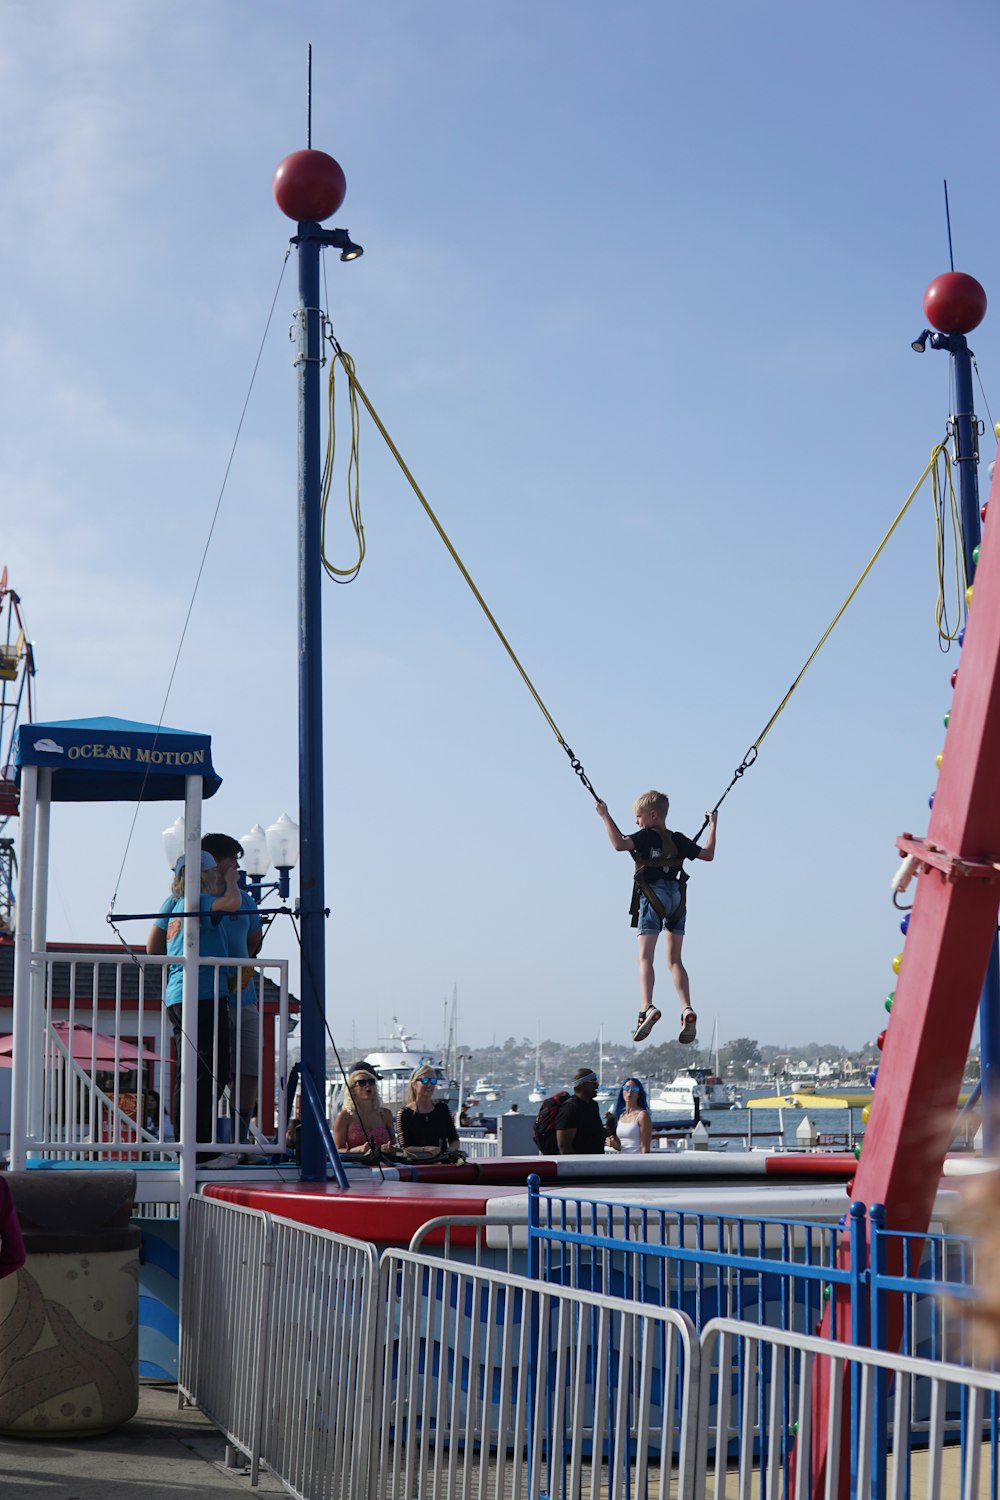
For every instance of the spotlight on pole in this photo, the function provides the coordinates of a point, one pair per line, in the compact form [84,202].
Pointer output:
[341,240]
[919,346]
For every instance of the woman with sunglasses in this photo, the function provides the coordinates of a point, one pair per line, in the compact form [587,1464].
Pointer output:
[425,1124]
[633,1128]
[364,1124]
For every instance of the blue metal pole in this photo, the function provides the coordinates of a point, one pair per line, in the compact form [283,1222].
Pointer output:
[316,1107]
[878,1337]
[966,435]
[312,1028]
[857,1290]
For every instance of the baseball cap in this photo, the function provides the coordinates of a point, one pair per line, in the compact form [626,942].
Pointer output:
[207,862]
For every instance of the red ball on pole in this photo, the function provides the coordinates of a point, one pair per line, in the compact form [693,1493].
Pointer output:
[955,303]
[309,185]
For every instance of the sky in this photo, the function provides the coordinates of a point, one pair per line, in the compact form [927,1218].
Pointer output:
[636,305]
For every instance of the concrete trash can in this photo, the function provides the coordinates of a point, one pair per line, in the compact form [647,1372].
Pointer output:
[69,1319]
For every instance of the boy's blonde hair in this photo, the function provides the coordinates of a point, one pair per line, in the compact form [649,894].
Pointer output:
[652,802]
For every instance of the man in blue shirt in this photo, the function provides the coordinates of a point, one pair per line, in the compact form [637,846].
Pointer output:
[243,934]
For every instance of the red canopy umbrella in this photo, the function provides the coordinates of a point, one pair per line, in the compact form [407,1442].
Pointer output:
[86,1046]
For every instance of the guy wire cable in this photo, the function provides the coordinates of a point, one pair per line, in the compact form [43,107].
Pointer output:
[194,592]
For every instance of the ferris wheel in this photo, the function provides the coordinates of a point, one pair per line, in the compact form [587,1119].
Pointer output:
[17,672]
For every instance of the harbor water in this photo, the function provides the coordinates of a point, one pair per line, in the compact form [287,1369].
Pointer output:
[733,1129]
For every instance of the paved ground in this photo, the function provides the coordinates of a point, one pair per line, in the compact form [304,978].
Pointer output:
[164,1451]
[170,1452]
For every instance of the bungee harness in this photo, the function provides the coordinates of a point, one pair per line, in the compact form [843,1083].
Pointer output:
[668,860]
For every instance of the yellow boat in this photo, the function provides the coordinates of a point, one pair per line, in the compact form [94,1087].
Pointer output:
[812,1101]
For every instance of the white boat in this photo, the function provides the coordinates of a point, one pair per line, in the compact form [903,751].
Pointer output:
[394,1062]
[694,1090]
[716,1094]
[486,1090]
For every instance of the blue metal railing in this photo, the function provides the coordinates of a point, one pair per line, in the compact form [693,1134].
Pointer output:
[899,1291]
[775,1271]
[759,1269]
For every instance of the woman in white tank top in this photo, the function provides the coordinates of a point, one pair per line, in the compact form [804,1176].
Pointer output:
[633,1126]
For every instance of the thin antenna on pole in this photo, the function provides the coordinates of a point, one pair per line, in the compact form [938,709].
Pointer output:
[309,111]
[947,219]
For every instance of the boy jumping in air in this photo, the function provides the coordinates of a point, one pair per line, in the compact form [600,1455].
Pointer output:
[658,900]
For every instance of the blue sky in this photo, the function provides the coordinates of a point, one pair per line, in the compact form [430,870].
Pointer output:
[636,303]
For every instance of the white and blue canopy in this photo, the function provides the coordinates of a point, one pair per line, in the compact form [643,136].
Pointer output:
[116,760]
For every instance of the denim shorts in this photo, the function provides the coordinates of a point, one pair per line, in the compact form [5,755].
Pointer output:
[668,892]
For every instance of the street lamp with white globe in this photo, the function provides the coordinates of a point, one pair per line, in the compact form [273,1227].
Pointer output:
[276,845]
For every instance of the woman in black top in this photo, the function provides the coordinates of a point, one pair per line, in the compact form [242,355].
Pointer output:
[425,1124]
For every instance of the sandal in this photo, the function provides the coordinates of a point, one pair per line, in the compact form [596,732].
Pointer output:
[689,1026]
[647,1020]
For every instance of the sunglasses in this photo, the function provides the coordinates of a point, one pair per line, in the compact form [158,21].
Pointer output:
[364,1083]
[427,1080]
[630,1088]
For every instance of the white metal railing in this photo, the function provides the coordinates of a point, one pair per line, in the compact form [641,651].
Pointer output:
[277,1344]
[101,1059]
[419,1378]
[489,1383]
[225,1295]
[478,1147]
[320,1359]
[758,1414]
[494,1239]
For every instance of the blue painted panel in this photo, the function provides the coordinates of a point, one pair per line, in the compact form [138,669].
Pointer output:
[159,1298]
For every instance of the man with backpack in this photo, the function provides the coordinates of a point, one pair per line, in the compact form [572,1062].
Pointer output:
[571,1124]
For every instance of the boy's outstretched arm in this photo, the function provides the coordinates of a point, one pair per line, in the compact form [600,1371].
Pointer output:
[619,840]
[707,850]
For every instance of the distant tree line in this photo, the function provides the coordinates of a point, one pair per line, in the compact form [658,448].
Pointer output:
[513,1060]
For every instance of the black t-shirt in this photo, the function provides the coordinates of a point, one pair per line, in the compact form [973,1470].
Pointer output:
[648,844]
[583,1116]
[416,1129]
